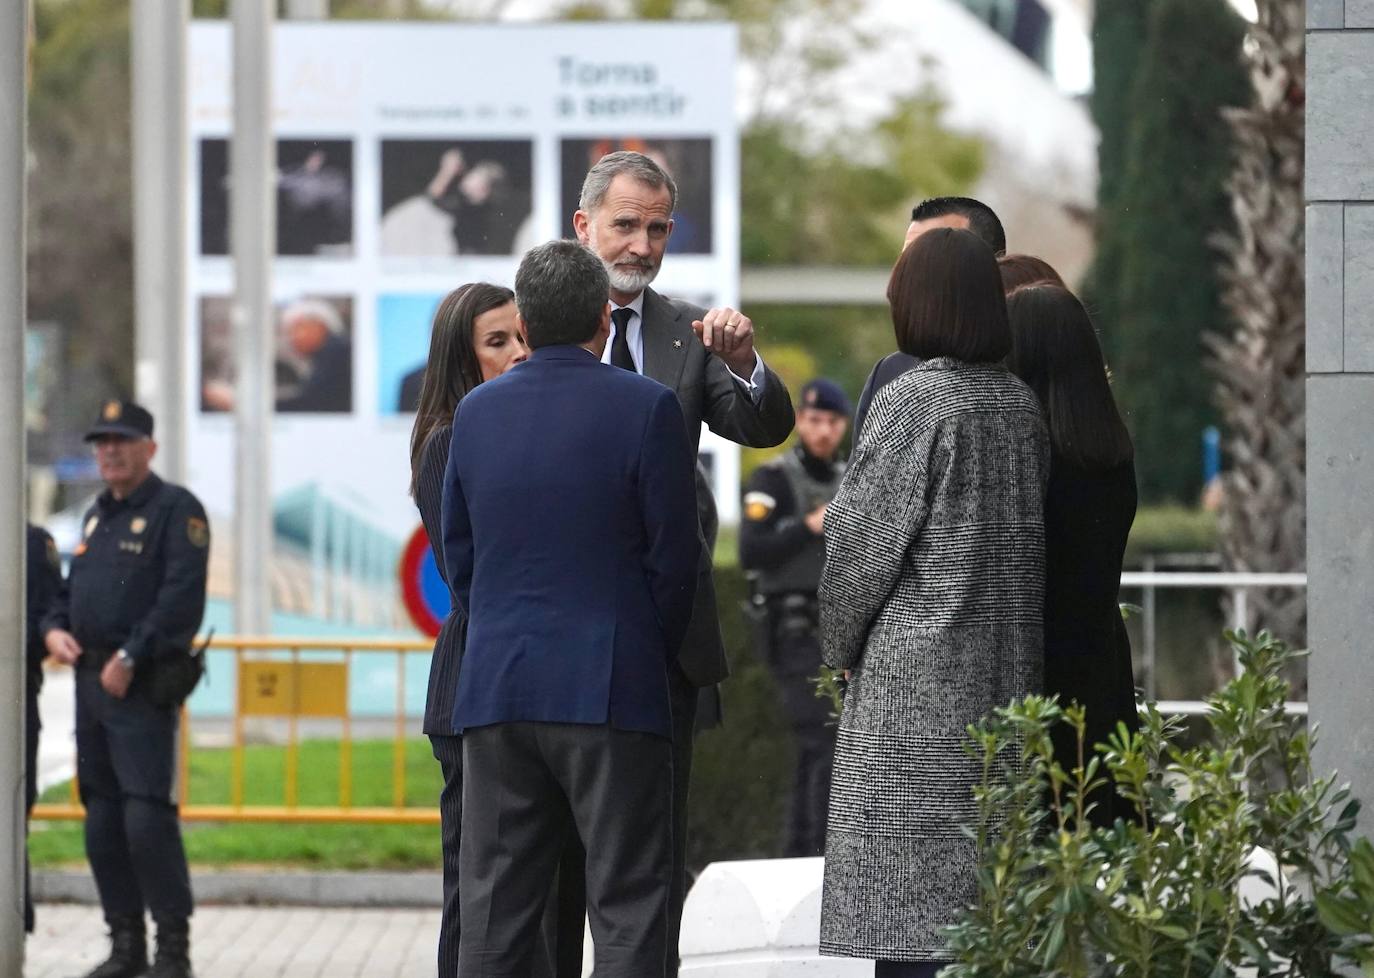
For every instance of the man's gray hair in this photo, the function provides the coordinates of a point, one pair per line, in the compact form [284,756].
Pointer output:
[560,290]
[612,165]
[316,309]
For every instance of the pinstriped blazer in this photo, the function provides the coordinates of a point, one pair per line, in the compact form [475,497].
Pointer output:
[448,647]
[933,594]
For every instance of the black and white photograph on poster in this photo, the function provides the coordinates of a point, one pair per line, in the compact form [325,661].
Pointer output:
[456,197]
[314,197]
[688,161]
[314,355]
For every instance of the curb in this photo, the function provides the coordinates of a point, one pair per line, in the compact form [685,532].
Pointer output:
[284,887]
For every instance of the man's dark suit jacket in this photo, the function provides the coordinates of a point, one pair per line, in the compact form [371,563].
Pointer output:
[673,356]
[886,370]
[571,543]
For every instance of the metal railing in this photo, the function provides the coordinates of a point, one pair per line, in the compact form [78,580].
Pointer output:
[1238,584]
[273,681]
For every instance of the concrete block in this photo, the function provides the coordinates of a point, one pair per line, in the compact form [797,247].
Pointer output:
[1359,13]
[1325,15]
[1340,571]
[1358,331]
[1325,288]
[1340,118]
[759,919]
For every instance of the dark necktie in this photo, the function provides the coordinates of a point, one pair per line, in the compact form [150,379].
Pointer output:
[620,346]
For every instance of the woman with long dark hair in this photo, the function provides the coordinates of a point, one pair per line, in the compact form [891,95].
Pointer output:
[475,337]
[1089,508]
[931,598]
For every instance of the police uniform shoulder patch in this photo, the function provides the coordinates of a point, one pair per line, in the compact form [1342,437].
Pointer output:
[197,531]
[758,506]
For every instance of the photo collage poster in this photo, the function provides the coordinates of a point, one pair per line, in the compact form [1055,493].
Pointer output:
[411,159]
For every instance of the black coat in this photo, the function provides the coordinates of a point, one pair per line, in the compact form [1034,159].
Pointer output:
[448,646]
[1088,516]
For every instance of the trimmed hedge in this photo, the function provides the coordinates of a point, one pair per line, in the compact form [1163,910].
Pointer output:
[742,770]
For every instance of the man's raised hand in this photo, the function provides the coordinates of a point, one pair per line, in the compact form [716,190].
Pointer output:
[729,334]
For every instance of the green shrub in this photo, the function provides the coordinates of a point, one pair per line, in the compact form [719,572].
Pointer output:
[1162,898]
[1171,529]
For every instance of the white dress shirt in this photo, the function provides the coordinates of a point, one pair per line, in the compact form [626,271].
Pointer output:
[634,337]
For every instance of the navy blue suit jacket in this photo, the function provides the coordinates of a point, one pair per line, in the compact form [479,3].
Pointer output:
[571,543]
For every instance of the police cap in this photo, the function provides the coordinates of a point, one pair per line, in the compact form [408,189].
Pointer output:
[123,418]
[824,395]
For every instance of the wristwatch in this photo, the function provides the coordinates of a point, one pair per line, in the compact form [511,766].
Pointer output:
[125,659]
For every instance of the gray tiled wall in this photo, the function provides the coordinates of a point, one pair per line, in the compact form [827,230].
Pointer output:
[1340,386]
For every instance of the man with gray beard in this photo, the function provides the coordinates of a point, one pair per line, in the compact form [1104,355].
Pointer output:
[707,357]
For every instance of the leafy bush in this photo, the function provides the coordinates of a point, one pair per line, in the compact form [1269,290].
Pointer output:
[1194,889]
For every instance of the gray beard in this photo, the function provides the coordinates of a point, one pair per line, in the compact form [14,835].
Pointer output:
[630,282]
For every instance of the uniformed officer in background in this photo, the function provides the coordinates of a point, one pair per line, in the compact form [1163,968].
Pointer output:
[781,543]
[43,581]
[126,620]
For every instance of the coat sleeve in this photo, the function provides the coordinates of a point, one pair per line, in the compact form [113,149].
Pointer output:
[667,500]
[731,412]
[771,531]
[457,527]
[43,584]
[429,492]
[869,527]
[170,626]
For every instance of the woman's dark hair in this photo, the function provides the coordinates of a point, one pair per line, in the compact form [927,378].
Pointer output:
[1018,271]
[452,369]
[1055,351]
[946,299]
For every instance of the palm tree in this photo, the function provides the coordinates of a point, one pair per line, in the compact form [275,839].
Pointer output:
[1259,366]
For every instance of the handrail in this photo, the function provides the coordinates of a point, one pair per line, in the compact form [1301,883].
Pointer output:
[287,697]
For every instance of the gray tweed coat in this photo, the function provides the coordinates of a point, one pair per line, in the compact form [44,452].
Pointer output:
[932,594]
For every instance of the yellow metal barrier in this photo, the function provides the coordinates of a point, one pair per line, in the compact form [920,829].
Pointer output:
[290,689]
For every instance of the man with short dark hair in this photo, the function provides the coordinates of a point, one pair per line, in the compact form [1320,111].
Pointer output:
[126,620]
[572,547]
[708,358]
[962,213]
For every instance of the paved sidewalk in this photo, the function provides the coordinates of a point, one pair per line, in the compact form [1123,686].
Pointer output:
[256,942]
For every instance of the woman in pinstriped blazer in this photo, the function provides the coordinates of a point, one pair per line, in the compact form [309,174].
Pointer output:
[474,338]
[932,598]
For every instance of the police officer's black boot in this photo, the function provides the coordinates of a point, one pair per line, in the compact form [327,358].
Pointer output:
[128,949]
[173,959]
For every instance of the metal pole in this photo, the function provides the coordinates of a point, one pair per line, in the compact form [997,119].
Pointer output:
[252,222]
[307,9]
[1150,632]
[159,155]
[14,34]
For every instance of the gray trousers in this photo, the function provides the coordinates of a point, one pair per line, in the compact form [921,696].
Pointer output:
[526,786]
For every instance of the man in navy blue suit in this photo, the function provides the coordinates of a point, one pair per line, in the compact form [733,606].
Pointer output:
[571,543]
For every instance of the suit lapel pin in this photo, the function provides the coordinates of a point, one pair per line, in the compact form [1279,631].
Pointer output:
[677,344]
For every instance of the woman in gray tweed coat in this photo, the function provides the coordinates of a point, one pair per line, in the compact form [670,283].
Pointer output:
[931,598]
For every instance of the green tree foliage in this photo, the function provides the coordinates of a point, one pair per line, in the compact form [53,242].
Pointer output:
[1162,294]
[80,243]
[1119,29]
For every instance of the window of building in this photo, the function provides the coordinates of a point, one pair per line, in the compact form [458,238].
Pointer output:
[1025,24]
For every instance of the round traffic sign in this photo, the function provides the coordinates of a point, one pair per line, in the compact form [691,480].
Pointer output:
[422,589]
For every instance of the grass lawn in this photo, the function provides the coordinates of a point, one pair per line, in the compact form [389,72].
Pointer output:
[312,846]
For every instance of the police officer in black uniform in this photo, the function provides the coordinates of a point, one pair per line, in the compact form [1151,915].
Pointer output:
[781,543]
[43,581]
[126,619]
